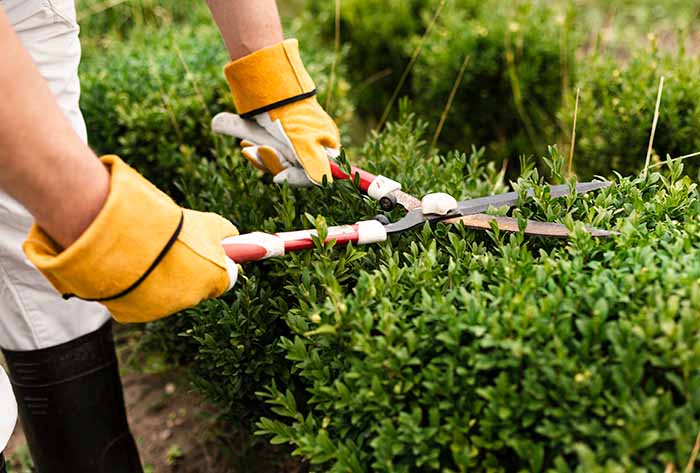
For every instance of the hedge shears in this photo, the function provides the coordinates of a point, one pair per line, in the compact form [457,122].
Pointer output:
[431,208]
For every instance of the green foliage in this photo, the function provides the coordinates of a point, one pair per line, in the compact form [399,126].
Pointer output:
[20,461]
[444,349]
[377,33]
[512,89]
[617,110]
[454,352]
[517,71]
[450,349]
[103,22]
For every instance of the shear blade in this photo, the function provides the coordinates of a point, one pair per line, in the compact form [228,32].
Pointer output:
[416,217]
[510,224]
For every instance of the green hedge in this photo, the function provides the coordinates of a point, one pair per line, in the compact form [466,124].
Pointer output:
[444,349]
[449,349]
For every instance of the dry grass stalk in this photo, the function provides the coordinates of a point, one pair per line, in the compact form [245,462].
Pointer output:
[515,87]
[406,71]
[679,158]
[573,135]
[377,76]
[195,85]
[654,124]
[165,98]
[331,80]
[694,455]
[450,101]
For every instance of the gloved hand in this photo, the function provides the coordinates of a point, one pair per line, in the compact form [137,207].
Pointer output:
[285,131]
[143,257]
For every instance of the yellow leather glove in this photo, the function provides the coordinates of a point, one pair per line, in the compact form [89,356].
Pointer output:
[143,257]
[286,131]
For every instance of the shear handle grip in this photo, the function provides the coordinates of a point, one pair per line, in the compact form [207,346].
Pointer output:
[376,187]
[365,178]
[258,246]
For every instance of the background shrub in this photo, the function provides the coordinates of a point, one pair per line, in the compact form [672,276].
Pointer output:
[519,66]
[517,73]
[617,110]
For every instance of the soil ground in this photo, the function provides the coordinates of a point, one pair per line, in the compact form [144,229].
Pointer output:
[177,433]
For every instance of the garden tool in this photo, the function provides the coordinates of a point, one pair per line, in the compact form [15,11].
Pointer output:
[431,208]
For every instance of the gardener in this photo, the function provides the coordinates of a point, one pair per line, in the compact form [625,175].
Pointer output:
[106,240]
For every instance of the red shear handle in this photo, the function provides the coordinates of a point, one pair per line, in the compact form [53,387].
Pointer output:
[366,178]
[259,246]
[374,186]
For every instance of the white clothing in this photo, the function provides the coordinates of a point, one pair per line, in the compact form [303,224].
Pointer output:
[32,314]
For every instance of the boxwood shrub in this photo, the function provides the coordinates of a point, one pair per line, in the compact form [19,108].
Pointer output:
[448,349]
[444,349]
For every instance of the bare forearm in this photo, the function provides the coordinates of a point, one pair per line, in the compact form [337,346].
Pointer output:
[247,25]
[43,163]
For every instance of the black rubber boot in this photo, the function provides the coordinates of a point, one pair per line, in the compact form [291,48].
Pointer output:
[72,407]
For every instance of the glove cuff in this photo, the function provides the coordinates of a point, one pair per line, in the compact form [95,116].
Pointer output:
[136,225]
[268,79]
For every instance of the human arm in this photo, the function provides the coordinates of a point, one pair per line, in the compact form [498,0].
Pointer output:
[247,25]
[102,232]
[43,163]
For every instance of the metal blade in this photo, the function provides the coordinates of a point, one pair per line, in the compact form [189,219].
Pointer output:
[416,217]
[473,206]
[510,224]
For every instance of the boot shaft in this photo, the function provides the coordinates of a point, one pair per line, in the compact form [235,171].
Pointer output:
[72,407]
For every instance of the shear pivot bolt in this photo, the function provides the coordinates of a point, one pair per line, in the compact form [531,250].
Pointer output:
[388,202]
[438,203]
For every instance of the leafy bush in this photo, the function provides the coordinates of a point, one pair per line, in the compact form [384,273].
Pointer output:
[517,72]
[457,352]
[444,349]
[104,24]
[617,110]
[450,349]
[377,33]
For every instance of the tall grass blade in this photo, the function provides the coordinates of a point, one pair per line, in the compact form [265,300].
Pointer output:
[654,124]
[414,57]
[336,56]
[450,100]
[573,135]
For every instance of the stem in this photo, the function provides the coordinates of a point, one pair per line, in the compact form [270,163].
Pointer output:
[331,80]
[653,125]
[406,71]
[450,100]
[573,135]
